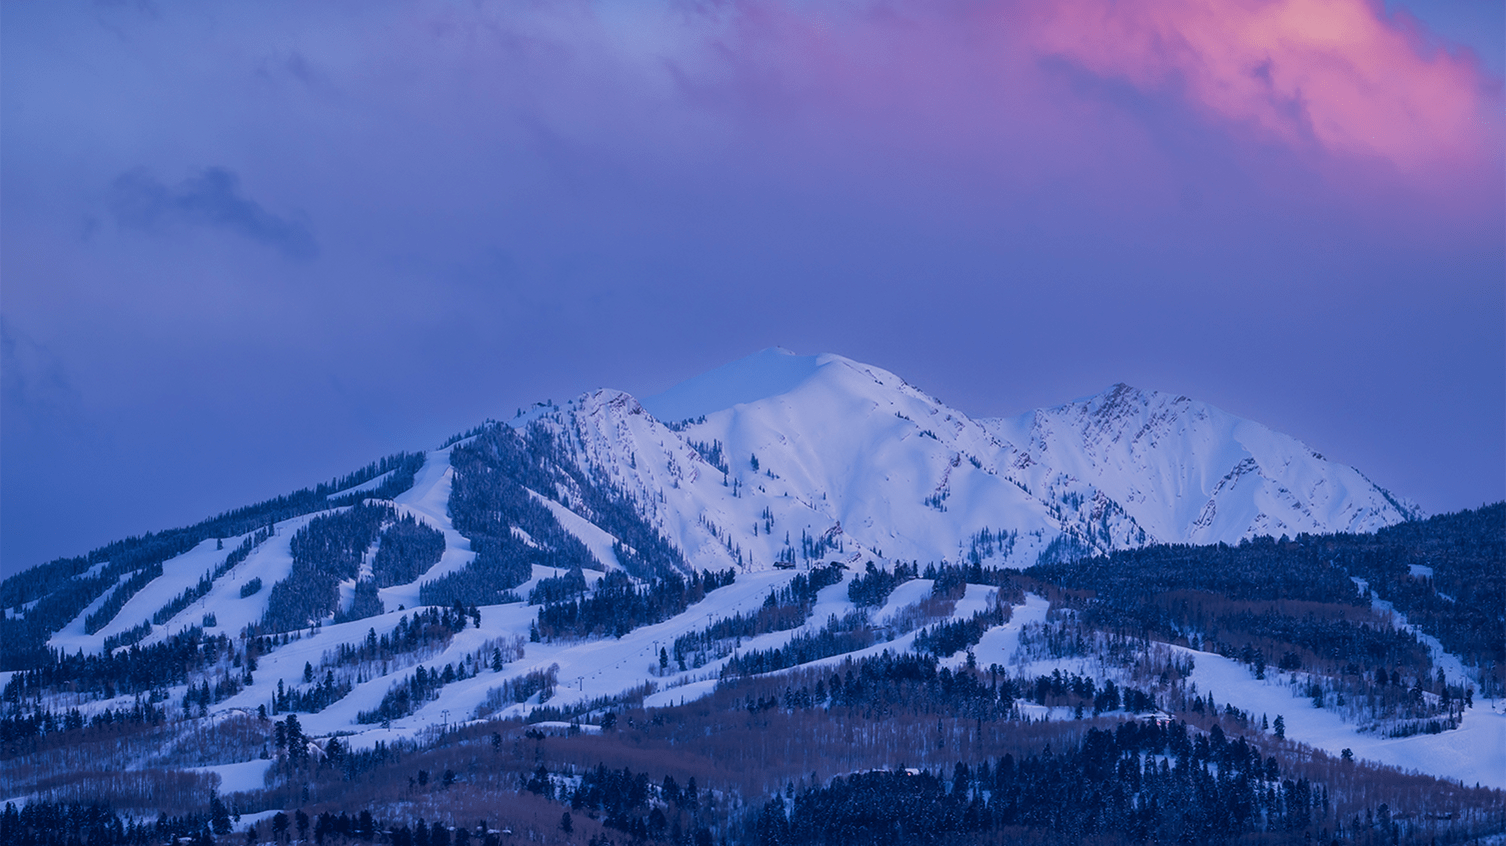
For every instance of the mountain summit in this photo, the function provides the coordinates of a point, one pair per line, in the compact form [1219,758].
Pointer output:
[763,374]
[757,454]
[1187,472]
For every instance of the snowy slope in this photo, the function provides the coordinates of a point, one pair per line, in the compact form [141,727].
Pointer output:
[1187,472]
[847,457]
[849,451]
[781,458]
[428,501]
[784,457]
[1473,753]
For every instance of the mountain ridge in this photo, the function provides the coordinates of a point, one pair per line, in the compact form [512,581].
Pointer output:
[819,419]
[587,564]
[791,460]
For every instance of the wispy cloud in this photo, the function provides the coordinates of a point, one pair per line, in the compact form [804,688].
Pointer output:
[139,200]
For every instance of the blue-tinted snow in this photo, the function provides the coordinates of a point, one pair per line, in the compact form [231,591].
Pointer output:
[763,374]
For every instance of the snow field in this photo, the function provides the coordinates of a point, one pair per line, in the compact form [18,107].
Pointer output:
[975,600]
[1188,472]
[1473,753]
[902,597]
[238,778]
[429,501]
[72,637]
[587,670]
[608,667]
[1000,643]
[596,540]
[183,571]
[271,562]
[841,443]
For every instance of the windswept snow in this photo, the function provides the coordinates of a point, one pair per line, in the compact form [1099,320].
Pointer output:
[764,374]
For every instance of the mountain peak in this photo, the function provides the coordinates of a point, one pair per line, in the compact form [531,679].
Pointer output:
[1189,472]
[1122,394]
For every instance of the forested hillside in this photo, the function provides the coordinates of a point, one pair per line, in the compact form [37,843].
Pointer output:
[1445,574]
[840,704]
[39,601]
[591,626]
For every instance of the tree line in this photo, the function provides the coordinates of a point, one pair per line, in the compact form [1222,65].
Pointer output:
[783,609]
[63,588]
[1142,782]
[617,606]
[327,550]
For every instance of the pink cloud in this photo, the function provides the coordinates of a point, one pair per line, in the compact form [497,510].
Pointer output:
[908,102]
[1335,73]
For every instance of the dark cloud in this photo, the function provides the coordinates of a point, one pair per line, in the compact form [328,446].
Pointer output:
[139,200]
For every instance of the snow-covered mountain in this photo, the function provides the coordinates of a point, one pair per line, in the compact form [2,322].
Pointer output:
[1187,472]
[774,460]
[756,455]
[767,467]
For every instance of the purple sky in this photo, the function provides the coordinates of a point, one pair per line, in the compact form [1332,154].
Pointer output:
[249,247]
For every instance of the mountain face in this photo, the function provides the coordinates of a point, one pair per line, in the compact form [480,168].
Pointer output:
[838,452]
[773,461]
[1187,472]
